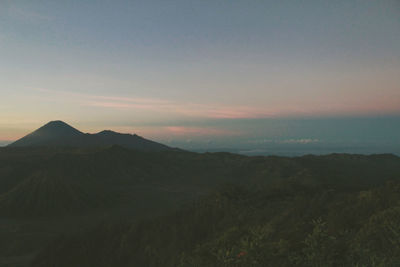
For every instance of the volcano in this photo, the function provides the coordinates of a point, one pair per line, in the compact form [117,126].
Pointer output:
[60,134]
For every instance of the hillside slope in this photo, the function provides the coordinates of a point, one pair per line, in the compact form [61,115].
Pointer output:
[287,224]
[49,192]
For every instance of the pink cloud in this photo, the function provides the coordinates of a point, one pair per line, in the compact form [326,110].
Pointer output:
[362,105]
[184,109]
[198,131]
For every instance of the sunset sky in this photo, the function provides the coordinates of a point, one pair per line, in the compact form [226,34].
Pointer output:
[179,70]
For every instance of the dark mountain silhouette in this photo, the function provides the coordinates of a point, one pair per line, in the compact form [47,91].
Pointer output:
[60,134]
[108,137]
[54,132]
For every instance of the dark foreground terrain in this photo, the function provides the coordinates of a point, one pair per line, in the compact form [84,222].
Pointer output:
[120,207]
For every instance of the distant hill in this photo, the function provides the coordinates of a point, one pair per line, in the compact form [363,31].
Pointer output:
[60,134]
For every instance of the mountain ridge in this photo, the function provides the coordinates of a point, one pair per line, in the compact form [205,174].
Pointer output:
[60,134]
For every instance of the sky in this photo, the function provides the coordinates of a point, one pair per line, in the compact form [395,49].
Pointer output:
[185,71]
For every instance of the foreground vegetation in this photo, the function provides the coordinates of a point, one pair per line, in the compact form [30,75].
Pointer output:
[120,207]
[292,223]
